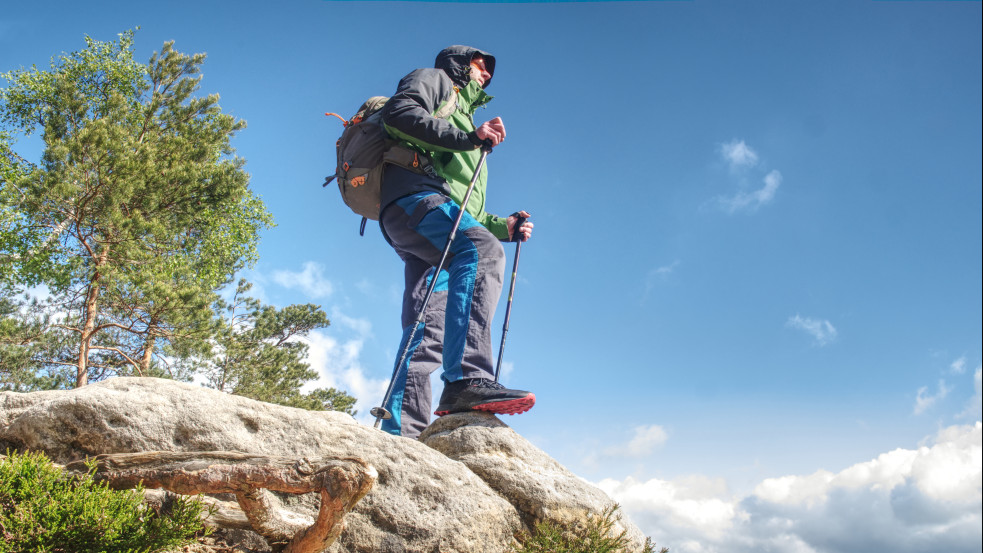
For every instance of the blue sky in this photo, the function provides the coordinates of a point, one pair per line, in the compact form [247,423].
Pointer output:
[752,302]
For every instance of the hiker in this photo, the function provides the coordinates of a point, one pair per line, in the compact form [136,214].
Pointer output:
[417,214]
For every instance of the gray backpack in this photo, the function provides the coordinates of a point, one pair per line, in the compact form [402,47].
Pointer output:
[363,151]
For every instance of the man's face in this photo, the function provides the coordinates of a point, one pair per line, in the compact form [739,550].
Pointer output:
[478,70]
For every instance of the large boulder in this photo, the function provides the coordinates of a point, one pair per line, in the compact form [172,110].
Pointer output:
[540,488]
[128,415]
[470,485]
[422,501]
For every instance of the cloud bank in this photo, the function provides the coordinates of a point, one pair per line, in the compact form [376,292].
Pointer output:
[903,501]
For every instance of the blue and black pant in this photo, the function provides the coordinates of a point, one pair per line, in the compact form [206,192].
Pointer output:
[456,328]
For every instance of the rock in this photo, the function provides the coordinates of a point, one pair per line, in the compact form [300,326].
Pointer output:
[538,486]
[470,485]
[129,415]
[423,501]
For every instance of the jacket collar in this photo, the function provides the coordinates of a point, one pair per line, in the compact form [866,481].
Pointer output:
[473,96]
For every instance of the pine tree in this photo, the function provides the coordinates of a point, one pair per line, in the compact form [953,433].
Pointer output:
[137,211]
[258,353]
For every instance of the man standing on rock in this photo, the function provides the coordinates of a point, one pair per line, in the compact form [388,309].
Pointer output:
[417,214]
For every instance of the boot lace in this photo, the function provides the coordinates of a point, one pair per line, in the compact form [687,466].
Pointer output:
[485,383]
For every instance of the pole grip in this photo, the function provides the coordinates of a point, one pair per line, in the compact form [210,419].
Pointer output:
[519,221]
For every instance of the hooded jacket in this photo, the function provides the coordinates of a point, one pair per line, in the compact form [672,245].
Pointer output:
[451,142]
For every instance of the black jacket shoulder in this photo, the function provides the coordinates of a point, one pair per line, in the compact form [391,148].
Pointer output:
[409,111]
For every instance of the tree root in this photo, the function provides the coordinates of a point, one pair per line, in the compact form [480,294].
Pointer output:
[340,483]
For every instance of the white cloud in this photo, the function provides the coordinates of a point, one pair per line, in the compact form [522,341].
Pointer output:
[507,368]
[751,201]
[337,361]
[974,409]
[311,280]
[665,270]
[659,273]
[772,181]
[738,154]
[646,439]
[741,158]
[362,327]
[792,490]
[958,366]
[904,501]
[950,470]
[924,401]
[822,331]
[690,508]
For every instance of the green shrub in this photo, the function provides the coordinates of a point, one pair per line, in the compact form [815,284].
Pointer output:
[592,535]
[44,509]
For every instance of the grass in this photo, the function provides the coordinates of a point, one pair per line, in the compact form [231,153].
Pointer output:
[594,534]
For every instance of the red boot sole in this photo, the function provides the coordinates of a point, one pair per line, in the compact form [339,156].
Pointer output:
[510,407]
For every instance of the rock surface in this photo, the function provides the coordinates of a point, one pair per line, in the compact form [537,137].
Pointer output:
[475,487]
[537,486]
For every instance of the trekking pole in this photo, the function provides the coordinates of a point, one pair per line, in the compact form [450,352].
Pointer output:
[381,412]
[508,306]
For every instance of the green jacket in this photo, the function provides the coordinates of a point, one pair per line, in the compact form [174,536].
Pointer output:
[422,115]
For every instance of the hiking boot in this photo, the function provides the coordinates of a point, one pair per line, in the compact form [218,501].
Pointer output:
[481,394]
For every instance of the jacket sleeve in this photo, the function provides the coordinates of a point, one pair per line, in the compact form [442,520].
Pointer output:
[408,114]
[499,226]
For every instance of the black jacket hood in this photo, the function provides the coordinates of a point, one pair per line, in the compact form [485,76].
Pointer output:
[456,62]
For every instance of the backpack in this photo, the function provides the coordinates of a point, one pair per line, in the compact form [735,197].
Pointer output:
[363,151]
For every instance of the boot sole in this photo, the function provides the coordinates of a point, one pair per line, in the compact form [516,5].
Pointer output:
[508,407]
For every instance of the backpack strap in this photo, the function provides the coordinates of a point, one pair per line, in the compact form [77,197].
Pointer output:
[448,107]
[408,159]
[412,160]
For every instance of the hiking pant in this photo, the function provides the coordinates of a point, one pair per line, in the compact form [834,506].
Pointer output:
[456,328]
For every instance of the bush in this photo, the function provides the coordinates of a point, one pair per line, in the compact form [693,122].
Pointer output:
[45,509]
[592,535]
